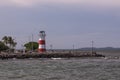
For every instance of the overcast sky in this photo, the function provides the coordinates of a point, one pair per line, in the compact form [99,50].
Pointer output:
[66,22]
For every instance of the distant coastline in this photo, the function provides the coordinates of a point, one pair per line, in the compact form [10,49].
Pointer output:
[103,49]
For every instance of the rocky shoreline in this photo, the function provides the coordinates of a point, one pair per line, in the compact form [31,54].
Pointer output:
[49,55]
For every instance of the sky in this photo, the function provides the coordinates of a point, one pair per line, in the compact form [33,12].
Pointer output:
[66,22]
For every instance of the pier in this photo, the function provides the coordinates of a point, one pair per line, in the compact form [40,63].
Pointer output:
[49,55]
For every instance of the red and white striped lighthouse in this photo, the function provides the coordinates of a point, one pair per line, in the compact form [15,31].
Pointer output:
[42,46]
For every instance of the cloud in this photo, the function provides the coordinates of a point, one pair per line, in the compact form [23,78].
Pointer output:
[62,20]
[28,3]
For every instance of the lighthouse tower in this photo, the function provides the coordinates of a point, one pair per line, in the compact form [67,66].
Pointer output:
[42,47]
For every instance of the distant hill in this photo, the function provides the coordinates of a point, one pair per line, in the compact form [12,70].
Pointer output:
[105,49]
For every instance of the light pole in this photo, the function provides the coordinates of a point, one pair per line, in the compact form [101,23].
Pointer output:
[32,42]
[92,46]
[73,48]
[51,46]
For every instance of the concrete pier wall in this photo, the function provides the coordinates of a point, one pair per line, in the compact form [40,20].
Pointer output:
[50,55]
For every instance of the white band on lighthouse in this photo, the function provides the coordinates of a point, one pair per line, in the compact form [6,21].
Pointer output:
[42,46]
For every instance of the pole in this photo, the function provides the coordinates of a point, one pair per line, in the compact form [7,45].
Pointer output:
[92,46]
[32,42]
[73,48]
[51,46]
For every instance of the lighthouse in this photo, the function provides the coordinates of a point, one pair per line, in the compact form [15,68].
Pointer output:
[42,46]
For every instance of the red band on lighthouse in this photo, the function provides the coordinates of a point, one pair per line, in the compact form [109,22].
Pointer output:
[42,46]
[42,42]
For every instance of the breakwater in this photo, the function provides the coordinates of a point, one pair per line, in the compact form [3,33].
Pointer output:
[50,55]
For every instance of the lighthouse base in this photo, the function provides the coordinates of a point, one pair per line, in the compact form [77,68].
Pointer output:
[41,50]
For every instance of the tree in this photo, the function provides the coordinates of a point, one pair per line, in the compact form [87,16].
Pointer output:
[3,46]
[5,40]
[31,46]
[9,41]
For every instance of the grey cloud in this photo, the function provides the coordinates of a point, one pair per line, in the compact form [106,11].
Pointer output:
[58,21]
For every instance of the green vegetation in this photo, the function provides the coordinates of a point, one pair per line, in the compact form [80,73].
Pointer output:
[31,46]
[3,46]
[7,43]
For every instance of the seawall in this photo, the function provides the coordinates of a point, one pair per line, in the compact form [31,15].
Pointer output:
[50,55]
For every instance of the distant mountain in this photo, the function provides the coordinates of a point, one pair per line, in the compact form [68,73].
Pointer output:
[105,49]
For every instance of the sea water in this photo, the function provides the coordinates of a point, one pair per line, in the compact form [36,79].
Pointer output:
[60,69]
